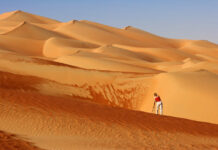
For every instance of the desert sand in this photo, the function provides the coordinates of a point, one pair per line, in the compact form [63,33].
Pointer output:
[85,85]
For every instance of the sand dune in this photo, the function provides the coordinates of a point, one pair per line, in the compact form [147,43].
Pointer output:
[85,85]
[92,61]
[201,47]
[57,47]
[18,16]
[152,40]
[163,54]
[111,88]
[207,66]
[87,32]
[28,30]
[21,45]
[6,26]
[120,53]
[197,91]
[58,122]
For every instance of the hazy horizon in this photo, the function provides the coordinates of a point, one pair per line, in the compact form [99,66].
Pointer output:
[187,19]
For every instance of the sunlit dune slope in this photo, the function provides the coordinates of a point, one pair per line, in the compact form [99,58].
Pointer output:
[92,61]
[28,30]
[85,85]
[151,39]
[128,90]
[95,34]
[105,87]
[7,26]
[201,47]
[120,53]
[18,16]
[134,34]
[57,122]
[21,45]
[163,54]
[57,47]
[187,94]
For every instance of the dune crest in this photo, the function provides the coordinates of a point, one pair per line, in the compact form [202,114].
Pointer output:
[32,32]
[19,16]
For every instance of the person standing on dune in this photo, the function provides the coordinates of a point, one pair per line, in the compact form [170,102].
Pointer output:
[159,104]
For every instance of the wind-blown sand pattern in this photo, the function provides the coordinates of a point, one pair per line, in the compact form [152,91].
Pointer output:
[84,85]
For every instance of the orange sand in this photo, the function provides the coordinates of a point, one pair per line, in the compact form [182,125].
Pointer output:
[10,142]
[84,85]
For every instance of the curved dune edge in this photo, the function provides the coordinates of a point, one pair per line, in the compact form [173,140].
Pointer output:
[56,47]
[92,61]
[33,32]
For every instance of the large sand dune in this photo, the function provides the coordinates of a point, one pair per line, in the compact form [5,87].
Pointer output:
[18,16]
[85,85]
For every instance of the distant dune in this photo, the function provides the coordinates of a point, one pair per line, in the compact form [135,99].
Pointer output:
[85,85]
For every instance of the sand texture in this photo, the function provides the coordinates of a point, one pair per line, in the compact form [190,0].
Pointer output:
[87,86]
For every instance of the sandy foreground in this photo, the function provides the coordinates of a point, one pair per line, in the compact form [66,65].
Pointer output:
[84,85]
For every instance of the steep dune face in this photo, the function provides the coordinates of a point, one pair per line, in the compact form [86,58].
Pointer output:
[85,85]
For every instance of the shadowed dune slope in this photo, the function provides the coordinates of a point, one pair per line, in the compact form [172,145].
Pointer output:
[12,142]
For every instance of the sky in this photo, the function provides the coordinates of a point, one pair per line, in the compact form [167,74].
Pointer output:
[180,19]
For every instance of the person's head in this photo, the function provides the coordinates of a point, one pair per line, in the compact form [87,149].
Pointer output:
[155,94]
